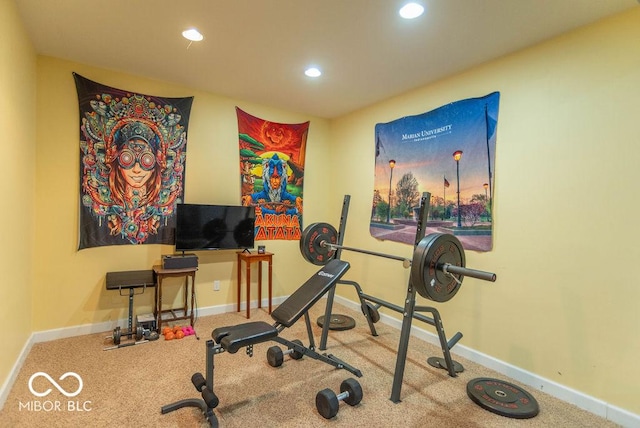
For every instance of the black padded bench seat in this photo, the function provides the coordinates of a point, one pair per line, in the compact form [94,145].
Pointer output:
[232,338]
[235,337]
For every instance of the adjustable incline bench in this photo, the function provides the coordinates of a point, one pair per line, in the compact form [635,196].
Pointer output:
[232,338]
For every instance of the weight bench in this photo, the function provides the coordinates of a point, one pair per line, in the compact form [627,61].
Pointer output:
[232,338]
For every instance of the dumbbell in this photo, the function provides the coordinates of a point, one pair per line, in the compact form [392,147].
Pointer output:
[327,402]
[275,355]
[209,397]
[118,333]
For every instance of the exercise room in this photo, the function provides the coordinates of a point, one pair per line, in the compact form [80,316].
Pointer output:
[320,213]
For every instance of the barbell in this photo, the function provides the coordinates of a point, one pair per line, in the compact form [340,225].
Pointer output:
[437,265]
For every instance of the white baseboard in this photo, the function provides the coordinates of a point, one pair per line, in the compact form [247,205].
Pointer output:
[13,374]
[106,327]
[598,407]
[593,405]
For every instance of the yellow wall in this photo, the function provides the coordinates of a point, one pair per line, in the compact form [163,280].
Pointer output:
[566,242]
[69,286]
[565,303]
[17,145]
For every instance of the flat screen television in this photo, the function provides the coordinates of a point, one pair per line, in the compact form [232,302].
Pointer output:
[214,227]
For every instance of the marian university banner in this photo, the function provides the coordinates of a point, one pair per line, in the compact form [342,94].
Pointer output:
[132,160]
[448,152]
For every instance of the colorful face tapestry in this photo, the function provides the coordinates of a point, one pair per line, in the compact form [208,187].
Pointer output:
[132,161]
[272,174]
[448,152]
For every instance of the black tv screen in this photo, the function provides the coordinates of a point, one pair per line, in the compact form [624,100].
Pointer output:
[214,227]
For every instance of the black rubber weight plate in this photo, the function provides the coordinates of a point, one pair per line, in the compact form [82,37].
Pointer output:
[502,398]
[338,322]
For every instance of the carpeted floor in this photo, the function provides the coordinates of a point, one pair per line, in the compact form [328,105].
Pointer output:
[128,386]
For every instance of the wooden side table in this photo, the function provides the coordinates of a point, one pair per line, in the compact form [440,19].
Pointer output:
[187,312]
[248,258]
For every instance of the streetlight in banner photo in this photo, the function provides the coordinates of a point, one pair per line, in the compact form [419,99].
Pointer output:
[456,156]
[486,198]
[392,164]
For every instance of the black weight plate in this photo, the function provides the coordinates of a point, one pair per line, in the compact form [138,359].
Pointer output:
[296,355]
[431,253]
[139,333]
[502,398]
[311,243]
[374,315]
[354,389]
[116,335]
[275,356]
[441,363]
[338,322]
[327,403]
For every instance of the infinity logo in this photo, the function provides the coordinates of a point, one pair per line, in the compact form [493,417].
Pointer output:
[54,383]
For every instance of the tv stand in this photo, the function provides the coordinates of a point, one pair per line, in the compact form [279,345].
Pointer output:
[246,250]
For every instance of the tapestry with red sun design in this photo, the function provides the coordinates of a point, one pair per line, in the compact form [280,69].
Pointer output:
[272,174]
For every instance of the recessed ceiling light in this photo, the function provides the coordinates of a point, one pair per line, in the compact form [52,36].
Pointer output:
[313,72]
[411,10]
[193,35]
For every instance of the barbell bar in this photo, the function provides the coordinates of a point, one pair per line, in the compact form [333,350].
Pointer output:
[405,262]
[436,261]
[318,245]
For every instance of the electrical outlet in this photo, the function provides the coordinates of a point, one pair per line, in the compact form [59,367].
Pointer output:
[216,285]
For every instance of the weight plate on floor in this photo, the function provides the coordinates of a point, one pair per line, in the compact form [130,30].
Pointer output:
[502,398]
[441,363]
[338,322]
[431,253]
[311,243]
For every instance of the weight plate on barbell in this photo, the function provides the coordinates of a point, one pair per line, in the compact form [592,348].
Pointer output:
[502,398]
[116,335]
[427,276]
[311,243]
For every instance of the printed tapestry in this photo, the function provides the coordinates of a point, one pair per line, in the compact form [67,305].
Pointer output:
[272,174]
[132,164]
[448,152]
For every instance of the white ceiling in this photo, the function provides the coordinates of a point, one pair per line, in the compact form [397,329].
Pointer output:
[257,50]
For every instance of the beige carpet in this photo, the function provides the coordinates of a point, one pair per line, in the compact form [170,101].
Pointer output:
[128,386]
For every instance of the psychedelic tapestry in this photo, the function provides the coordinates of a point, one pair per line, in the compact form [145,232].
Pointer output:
[272,174]
[448,152]
[132,163]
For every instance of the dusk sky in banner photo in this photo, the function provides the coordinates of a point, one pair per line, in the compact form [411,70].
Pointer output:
[424,145]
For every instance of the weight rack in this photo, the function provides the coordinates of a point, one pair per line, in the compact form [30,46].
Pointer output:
[410,309]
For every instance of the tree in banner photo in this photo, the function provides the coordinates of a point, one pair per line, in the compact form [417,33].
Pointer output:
[132,163]
[448,152]
[272,174]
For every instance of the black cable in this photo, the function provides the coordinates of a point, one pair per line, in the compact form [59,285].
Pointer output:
[195,298]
